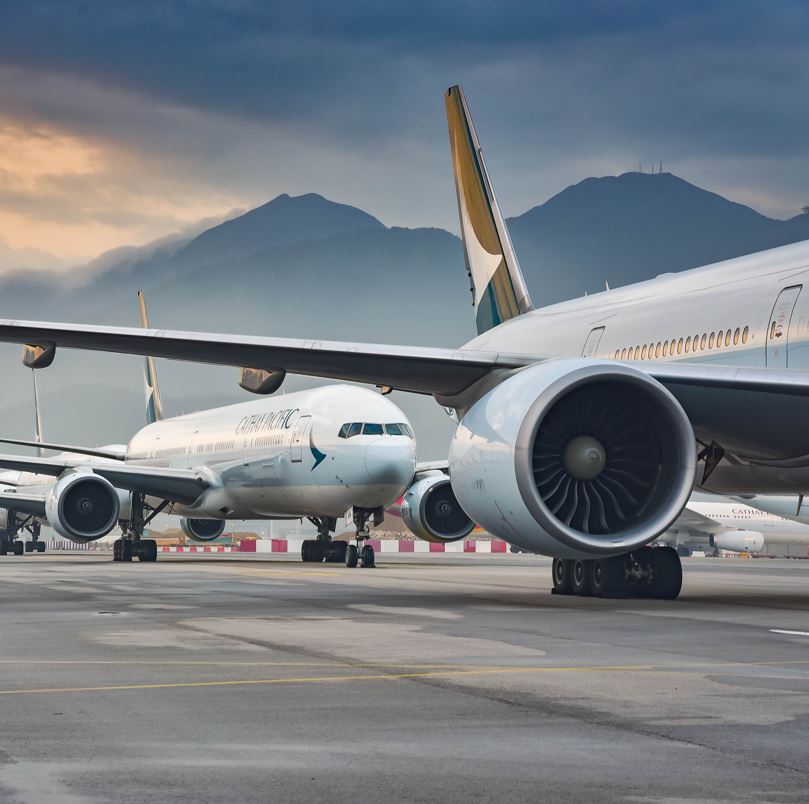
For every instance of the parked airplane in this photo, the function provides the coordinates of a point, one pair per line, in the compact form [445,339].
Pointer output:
[710,522]
[584,425]
[313,454]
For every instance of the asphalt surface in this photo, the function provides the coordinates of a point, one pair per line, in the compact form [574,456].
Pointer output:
[451,678]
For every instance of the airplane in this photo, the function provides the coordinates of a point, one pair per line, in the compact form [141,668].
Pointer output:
[710,522]
[314,454]
[583,425]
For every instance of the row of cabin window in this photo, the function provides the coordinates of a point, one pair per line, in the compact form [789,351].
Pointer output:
[675,346]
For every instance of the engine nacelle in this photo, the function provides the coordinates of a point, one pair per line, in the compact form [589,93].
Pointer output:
[202,530]
[82,506]
[738,541]
[575,458]
[432,512]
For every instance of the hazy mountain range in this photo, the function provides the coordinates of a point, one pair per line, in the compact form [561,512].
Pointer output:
[309,267]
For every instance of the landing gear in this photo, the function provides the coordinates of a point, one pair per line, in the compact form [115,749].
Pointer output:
[132,544]
[654,572]
[16,525]
[352,555]
[367,556]
[365,553]
[322,548]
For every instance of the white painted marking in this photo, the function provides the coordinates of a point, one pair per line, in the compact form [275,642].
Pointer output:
[789,633]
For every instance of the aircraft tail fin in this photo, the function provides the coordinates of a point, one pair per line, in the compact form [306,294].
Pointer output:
[499,289]
[154,404]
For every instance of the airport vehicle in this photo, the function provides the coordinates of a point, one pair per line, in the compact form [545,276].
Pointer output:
[712,523]
[314,454]
[583,426]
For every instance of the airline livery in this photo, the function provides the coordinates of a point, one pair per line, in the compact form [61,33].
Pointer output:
[584,426]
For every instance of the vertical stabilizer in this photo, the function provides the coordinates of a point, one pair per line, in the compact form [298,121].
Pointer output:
[154,405]
[39,435]
[499,289]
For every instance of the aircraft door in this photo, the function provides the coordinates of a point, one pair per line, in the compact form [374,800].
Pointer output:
[591,344]
[299,433]
[778,328]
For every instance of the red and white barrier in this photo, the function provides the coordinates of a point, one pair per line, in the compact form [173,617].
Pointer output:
[384,546]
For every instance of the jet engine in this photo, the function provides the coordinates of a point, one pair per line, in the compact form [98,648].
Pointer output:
[202,530]
[738,541]
[431,511]
[575,459]
[82,506]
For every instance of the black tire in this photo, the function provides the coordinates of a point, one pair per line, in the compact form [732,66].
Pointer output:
[561,570]
[337,552]
[306,550]
[148,550]
[607,576]
[126,550]
[367,556]
[352,555]
[668,573]
[116,550]
[19,548]
[580,578]
[29,547]
[40,547]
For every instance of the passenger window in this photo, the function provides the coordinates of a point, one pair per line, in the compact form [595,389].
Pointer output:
[680,346]
[665,348]
[688,344]
[393,429]
[643,352]
[372,429]
[657,349]
[672,345]
[702,342]
[745,334]
[355,429]
[711,341]
[772,330]
[736,337]
[727,338]
[719,339]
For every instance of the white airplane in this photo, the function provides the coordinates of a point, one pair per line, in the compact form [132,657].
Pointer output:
[712,522]
[585,425]
[313,454]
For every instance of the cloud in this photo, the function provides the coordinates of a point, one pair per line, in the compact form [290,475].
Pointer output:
[190,108]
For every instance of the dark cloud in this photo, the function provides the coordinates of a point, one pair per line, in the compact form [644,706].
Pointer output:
[345,98]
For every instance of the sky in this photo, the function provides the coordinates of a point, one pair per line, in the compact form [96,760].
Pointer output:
[124,122]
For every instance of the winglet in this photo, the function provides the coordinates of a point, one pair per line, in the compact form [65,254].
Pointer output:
[154,404]
[499,289]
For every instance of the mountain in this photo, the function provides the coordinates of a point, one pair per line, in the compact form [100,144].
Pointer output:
[311,268]
[623,229]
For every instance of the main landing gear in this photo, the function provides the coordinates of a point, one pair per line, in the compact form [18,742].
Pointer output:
[11,544]
[654,572]
[324,548]
[132,544]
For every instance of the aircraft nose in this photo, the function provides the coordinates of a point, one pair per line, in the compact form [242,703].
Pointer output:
[391,461]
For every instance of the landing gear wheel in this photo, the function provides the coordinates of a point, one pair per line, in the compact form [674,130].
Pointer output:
[147,550]
[607,576]
[580,578]
[40,547]
[367,556]
[352,555]
[19,548]
[336,552]
[310,551]
[561,570]
[667,573]
[29,547]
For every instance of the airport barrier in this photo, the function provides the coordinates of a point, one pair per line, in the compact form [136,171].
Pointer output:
[293,546]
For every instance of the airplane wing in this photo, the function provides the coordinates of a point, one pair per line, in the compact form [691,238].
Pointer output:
[405,368]
[176,485]
[693,520]
[749,411]
[98,452]
[25,503]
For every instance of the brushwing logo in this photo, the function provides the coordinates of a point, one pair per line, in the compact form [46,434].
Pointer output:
[316,453]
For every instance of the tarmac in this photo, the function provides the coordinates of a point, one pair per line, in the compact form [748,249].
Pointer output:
[449,678]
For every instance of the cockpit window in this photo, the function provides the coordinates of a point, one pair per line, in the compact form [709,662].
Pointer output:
[367,428]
